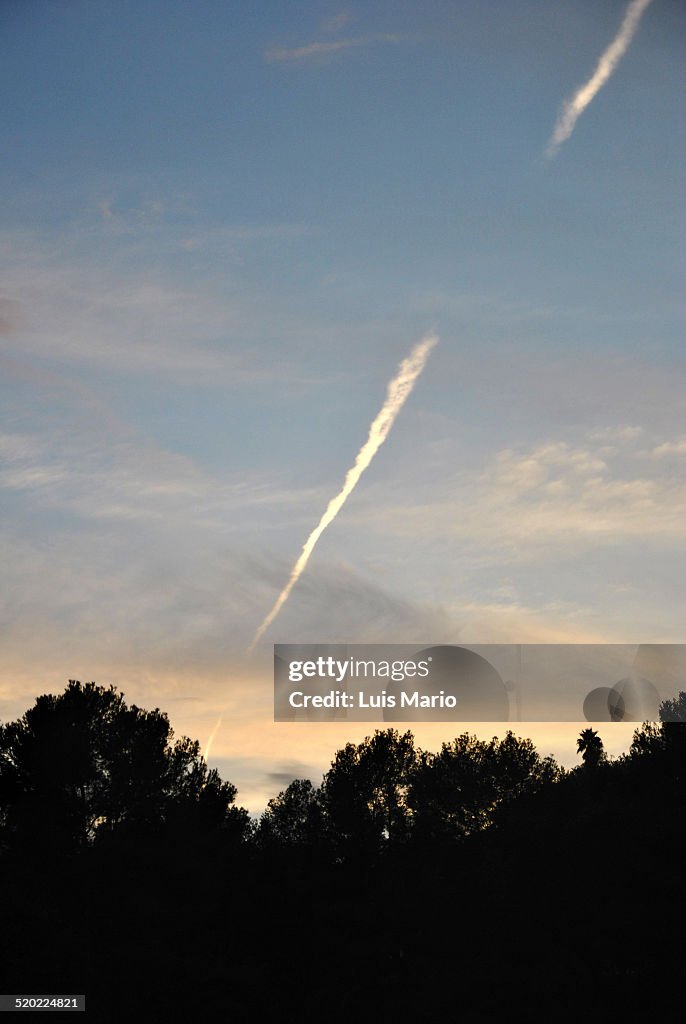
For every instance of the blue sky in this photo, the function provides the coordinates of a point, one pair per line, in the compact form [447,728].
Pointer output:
[222,225]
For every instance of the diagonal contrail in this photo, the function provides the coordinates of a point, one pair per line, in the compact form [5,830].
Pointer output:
[576,104]
[398,391]
[210,741]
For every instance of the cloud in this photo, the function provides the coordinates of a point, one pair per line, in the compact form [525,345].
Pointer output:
[81,315]
[292,770]
[670,448]
[365,611]
[553,622]
[623,432]
[146,557]
[131,313]
[575,105]
[19,447]
[572,495]
[541,502]
[322,49]
[99,470]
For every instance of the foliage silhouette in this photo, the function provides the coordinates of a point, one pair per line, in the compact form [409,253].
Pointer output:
[459,790]
[294,817]
[365,792]
[674,710]
[130,874]
[591,748]
[83,766]
[673,717]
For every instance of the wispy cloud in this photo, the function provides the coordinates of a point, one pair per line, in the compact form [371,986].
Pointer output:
[133,314]
[576,104]
[670,448]
[113,474]
[326,48]
[545,502]
[624,432]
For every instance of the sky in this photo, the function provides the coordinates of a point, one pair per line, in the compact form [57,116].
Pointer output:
[222,226]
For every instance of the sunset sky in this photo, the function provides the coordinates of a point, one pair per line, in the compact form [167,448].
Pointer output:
[222,226]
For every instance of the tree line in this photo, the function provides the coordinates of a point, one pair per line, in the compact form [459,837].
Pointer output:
[482,880]
[84,768]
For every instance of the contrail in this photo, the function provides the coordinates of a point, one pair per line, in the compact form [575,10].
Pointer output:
[575,106]
[398,391]
[210,741]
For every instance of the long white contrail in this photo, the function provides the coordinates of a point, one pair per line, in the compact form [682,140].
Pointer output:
[576,104]
[398,391]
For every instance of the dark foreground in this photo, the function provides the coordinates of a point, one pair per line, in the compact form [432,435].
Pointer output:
[565,902]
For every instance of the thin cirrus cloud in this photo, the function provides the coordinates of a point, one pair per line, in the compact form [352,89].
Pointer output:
[547,499]
[115,474]
[553,493]
[574,107]
[326,48]
[133,314]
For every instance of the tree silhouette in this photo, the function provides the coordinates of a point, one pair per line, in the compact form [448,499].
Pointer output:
[293,818]
[590,746]
[673,717]
[453,790]
[457,791]
[364,793]
[484,833]
[674,710]
[518,768]
[84,765]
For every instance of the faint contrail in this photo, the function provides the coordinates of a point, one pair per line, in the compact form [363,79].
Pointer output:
[575,106]
[210,741]
[398,391]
